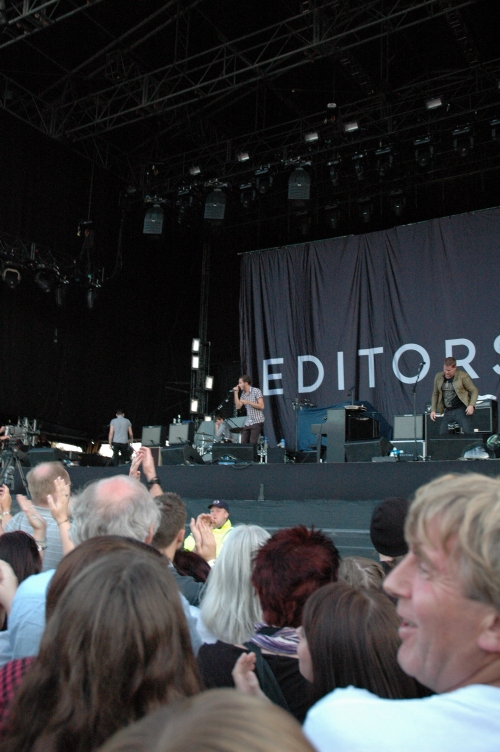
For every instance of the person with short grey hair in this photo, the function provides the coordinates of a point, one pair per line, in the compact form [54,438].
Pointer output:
[119,505]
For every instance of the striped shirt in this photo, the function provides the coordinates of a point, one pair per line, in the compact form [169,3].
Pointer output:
[54,553]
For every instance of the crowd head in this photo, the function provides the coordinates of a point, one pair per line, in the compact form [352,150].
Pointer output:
[288,568]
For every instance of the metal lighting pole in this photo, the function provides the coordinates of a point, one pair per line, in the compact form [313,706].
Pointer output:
[198,376]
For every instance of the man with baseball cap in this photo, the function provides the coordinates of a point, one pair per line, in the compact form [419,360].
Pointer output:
[221,525]
[387,531]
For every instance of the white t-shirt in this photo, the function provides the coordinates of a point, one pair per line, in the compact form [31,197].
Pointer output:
[354,720]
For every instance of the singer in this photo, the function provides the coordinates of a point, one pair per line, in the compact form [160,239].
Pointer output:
[252,398]
[454,395]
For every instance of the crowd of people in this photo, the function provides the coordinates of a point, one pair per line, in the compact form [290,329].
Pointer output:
[116,636]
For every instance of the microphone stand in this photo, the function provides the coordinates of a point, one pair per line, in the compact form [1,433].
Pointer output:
[414,390]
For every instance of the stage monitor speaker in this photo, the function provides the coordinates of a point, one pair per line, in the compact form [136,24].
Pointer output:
[241,452]
[483,420]
[449,448]
[361,427]
[276,455]
[180,432]
[363,451]
[94,460]
[302,458]
[36,456]
[404,427]
[180,455]
[408,448]
[154,435]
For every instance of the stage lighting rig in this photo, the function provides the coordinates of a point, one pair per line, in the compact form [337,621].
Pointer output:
[153,219]
[365,207]
[463,141]
[424,151]
[299,186]
[11,276]
[247,195]
[263,179]
[215,205]
[398,202]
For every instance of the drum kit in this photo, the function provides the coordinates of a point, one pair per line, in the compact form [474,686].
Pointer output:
[206,441]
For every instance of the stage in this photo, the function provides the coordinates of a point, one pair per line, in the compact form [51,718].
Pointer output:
[337,497]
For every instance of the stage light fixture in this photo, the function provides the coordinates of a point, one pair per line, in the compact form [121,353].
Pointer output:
[247,195]
[495,129]
[61,293]
[311,137]
[334,170]
[11,276]
[195,362]
[215,205]
[384,160]
[434,103]
[194,405]
[398,202]
[45,279]
[194,170]
[299,185]
[424,151]
[365,207]
[153,220]
[209,383]
[359,166]
[332,215]
[195,345]
[463,141]
[263,180]
[243,156]
[351,127]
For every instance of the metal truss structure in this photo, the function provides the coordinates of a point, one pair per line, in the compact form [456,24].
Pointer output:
[124,107]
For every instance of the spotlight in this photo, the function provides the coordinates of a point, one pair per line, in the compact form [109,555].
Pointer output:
[365,209]
[45,279]
[11,276]
[334,170]
[311,137]
[359,166]
[434,103]
[424,151]
[209,383]
[398,202]
[195,170]
[243,156]
[215,205]
[463,141]
[195,345]
[247,195]
[351,127]
[194,405]
[299,185]
[384,160]
[264,180]
[332,215]
[153,221]
[195,362]
[495,129]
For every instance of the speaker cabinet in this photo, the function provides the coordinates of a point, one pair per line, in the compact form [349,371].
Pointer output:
[408,448]
[483,420]
[448,448]
[180,432]
[275,455]
[404,427]
[363,451]
[180,455]
[36,456]
[241,452]
[154,435]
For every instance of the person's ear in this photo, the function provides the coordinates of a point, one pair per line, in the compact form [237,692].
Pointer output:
[489,638]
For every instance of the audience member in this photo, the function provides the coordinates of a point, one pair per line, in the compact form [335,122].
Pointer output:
[448,592]
[387,531]
[220,720]
[287,569]
[219,521]
[20,551]
[170,536]
[68,569]
[192,565]
[40,484]
[349,637]
[361,572]
[115,648]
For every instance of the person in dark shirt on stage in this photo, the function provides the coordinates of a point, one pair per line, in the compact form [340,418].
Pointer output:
[454,395]
[252,398]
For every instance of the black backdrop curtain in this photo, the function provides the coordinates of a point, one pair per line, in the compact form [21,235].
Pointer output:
[366,310]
